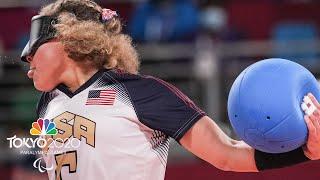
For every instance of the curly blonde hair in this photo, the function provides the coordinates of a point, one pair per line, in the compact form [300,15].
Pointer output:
[90,41]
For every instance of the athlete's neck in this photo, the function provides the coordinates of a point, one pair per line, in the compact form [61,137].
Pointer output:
[75,76]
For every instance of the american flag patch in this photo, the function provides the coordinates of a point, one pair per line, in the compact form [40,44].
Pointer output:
[101,97]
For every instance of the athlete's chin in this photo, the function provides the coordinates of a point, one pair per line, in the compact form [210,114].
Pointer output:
[44,87]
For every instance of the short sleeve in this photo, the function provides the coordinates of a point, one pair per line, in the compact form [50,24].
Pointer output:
[161,106]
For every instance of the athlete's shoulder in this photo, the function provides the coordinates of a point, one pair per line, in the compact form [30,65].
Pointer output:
[140,85]
[159,104]
[138,80]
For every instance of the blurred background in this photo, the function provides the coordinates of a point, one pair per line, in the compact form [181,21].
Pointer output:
[200,46]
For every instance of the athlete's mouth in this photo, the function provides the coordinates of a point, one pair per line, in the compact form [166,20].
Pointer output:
[31,72]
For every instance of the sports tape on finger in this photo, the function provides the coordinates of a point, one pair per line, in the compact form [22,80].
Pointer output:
[307,106]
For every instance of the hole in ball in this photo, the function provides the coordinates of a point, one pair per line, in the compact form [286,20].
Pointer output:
[235,115]
[268,117]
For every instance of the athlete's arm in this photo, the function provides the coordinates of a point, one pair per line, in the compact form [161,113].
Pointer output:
[207,141]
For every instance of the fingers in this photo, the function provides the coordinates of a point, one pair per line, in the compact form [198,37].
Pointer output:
[310,104]
[313,124]
[314,100]
[310,125]
[315,120]
[316,113]
[307,153]
[311,107]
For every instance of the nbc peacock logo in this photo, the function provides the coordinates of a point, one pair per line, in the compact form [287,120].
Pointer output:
[43,127]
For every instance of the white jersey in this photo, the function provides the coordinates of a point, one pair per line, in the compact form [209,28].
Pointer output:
[116,126]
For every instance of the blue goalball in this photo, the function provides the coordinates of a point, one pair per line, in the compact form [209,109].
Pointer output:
[264,105]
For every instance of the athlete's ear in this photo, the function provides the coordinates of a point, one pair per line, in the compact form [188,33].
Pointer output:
[29,58]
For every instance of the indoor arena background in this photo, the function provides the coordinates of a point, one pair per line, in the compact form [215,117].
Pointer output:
[199,46]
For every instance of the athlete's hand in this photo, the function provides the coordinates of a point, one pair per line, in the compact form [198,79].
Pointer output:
[312,148]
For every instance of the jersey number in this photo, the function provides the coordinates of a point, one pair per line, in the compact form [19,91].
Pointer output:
[66,159]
